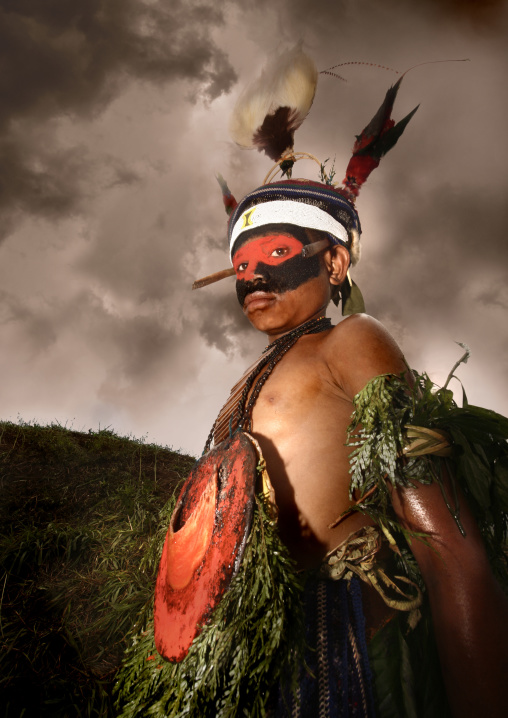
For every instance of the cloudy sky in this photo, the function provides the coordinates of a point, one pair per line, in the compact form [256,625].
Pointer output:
[113,123]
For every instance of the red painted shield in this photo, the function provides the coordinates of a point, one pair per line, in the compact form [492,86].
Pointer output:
[204,544]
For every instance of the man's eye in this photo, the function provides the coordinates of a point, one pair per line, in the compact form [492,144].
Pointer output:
[242,267]
[279,252]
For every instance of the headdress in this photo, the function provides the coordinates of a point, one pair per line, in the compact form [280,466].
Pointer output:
[266,117]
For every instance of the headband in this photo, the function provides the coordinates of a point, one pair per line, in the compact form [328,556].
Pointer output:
[284,212]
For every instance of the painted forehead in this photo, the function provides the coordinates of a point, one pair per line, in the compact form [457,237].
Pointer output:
[271,250]
[270,230]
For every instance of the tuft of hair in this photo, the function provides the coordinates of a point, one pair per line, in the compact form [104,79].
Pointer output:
[269,110]
[355,249]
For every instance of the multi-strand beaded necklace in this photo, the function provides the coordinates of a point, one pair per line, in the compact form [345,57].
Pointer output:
[237,411]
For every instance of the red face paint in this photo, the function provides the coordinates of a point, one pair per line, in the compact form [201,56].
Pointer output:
[271,250]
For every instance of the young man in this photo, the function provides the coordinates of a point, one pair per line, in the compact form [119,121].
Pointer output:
[347,435]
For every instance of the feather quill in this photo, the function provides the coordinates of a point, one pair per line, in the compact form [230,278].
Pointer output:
[274,106]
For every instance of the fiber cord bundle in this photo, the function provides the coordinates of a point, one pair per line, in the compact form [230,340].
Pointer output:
[238,659]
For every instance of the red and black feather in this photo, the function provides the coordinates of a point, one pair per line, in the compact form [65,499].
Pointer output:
[378,138]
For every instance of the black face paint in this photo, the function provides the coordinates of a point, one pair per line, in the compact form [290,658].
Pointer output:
[280,278]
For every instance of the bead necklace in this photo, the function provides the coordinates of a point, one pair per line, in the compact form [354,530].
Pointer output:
[270,357]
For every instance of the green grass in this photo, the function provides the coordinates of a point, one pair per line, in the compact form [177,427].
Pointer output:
[78,515]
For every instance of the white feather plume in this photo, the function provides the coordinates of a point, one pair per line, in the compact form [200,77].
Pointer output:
[290,80]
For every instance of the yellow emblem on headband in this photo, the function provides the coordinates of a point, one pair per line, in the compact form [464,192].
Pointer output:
[247,218]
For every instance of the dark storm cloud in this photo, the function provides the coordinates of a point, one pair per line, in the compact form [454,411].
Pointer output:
[480,14]
[51,181]
[436,245]
[61,58]
[142,343]
[476,15]
[495,296]
[221,321]
[416,271]
[36,322]
[114,260]
[134,345]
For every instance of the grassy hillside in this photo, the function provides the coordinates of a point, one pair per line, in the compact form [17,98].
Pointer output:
[77,514]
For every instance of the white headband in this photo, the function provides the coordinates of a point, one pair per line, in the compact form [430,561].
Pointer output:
[287,212]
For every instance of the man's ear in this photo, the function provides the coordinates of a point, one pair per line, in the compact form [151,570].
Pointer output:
[337,262]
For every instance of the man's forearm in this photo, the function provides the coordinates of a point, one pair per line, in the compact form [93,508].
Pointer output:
[469,609]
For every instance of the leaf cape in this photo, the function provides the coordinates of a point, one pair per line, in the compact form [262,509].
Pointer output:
[388,412]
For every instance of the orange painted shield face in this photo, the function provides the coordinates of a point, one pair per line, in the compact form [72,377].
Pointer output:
[205,543]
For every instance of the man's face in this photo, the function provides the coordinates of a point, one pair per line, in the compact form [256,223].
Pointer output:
[272,263]
[275,285]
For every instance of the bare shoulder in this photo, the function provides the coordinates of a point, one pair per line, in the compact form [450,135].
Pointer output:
[360,348]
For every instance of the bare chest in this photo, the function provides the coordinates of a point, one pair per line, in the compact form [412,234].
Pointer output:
[299,399]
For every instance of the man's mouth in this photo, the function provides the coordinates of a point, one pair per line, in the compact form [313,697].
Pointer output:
[258,299]
[260,288]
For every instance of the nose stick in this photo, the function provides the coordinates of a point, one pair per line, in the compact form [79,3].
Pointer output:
[311,249]
[211,278]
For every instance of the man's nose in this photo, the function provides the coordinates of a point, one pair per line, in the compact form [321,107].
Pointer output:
[259,272]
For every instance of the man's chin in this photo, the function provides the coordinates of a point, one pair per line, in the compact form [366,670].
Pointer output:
[271,318]
[264,316]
